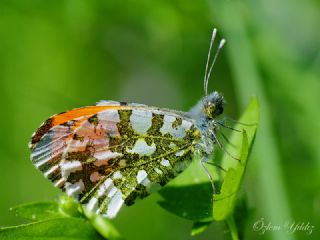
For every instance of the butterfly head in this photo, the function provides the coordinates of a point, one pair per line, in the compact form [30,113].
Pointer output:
[213,105]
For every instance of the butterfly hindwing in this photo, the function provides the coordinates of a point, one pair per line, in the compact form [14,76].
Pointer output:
[114,155]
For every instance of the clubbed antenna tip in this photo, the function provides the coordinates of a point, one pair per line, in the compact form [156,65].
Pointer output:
[207,73]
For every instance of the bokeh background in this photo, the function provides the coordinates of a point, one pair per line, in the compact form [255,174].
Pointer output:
[58,55]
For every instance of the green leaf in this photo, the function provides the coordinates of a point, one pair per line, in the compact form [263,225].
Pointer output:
[190,202]
[225,201]
[66,211]
[53,229]
[190,195]
[37,211]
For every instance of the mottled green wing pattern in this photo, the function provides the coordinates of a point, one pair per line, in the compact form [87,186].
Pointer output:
[116,155]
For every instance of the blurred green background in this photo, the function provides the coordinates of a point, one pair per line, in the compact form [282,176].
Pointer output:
[58,55]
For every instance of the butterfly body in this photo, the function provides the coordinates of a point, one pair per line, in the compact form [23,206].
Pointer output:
[112,153]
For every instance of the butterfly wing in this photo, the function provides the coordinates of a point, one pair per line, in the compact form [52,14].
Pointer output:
[110,154]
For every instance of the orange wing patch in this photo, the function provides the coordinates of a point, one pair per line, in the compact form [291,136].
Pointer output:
[79,112]
[67,116]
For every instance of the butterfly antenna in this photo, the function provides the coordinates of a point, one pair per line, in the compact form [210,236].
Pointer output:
[214,33]
[221,44]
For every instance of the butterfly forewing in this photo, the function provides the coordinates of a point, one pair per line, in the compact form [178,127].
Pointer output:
[110,154]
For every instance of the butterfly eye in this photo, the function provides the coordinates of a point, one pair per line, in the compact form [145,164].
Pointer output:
[219,110]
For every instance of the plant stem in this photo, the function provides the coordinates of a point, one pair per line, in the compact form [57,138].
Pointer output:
[232,228]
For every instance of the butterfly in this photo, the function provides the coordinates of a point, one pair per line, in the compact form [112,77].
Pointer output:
[110,154]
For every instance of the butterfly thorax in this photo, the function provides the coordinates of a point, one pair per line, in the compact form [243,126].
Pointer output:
[208,131]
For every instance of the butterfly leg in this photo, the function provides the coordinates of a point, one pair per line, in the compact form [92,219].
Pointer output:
[222,123]
[204,160]
[225,119]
